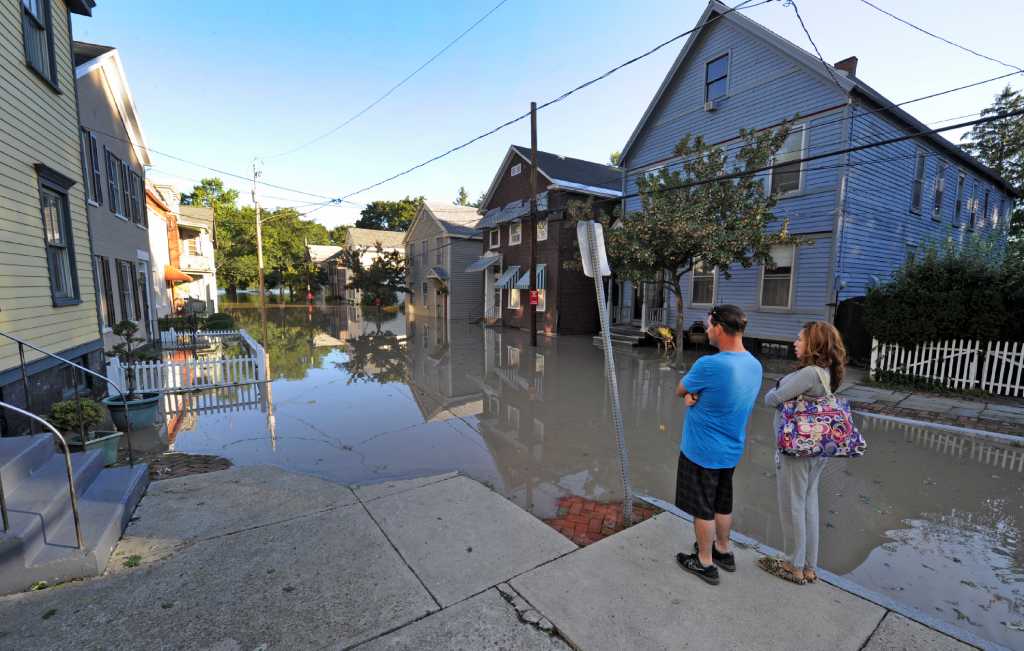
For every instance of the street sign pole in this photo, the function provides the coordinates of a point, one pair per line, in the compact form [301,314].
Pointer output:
[591,243]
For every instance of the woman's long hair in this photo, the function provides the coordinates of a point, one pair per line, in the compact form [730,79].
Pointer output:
[823,346]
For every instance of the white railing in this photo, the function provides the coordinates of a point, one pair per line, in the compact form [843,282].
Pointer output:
[174,339]
[654,316]
[996,366]
[192,262]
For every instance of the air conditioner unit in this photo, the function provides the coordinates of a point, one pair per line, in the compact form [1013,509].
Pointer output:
[709,105]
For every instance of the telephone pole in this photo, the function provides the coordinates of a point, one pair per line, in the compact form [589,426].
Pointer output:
[533,224]
[259,233]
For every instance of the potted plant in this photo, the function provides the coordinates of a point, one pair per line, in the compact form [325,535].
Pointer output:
[76,418]
[136,409]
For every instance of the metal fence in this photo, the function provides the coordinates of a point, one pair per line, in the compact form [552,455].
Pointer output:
[995,366]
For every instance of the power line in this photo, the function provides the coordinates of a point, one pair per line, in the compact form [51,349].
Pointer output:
[392,89]
[828,68]
[554,101]
[941,38]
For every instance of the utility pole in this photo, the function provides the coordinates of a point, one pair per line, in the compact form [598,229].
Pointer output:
[533,224]
[259,234]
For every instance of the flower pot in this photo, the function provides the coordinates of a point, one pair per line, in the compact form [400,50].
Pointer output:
[107,442]
[135,413]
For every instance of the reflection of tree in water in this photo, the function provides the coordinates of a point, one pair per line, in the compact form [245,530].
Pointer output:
[289,342]
[375,357]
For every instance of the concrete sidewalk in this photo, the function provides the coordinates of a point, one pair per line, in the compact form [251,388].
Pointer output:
[258,558]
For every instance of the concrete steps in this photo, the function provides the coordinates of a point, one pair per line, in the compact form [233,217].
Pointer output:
[624,337]
[41,543]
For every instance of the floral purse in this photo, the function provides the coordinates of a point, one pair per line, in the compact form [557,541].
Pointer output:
[819,427]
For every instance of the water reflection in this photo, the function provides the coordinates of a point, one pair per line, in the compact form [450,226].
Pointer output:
[927,517]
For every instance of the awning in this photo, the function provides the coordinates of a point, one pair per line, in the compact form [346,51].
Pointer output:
[506,278]
[524,282]
[483,262]
[175,275]
[438,272]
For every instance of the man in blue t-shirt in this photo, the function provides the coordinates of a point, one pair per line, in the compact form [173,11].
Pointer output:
[720,391]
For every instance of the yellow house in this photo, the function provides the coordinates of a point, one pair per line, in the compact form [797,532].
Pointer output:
[47,291]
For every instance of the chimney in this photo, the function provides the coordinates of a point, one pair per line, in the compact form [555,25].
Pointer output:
[848,65]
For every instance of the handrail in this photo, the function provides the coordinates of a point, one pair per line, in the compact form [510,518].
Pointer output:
[67,464]
[120,391]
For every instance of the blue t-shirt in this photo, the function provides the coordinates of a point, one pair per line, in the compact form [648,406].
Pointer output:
[716,427]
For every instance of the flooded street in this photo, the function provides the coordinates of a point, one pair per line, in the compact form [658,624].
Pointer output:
[927,518]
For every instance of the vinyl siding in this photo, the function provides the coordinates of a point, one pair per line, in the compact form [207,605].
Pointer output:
[424,228]
[466,289]
[38,125]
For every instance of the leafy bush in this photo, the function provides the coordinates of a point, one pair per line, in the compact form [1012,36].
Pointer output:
[947,293]
[70,415]
[220,321]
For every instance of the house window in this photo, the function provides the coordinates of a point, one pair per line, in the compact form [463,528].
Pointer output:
[106,291]
[513,293]
[136,192]
[439,256]
[716,78]
[423,254]
[515,233]
[126,289]
[542,230]
[538,364]
[940,191]
[984,206]
[917,193]
[516,169]
[787,170]
[495,238]
[972,206]
[777,277]
[91,168]
[37,35]
[911,253]
[60,251]
[542,289]
[423,292]
[958,207]
[128,209]
[113,169]
[703,292]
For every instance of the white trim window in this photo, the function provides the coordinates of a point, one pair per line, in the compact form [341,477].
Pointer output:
[423,294]
[702,290]
[787,174]
[514,302]
[37,37]
[113,169]
[126,195]
[716,78]
[542,230]
[917,190]
[777,277]
[515,233]
[985,206]
[958,207]
[940,191]
[972,205]
[494,238]
[516,170]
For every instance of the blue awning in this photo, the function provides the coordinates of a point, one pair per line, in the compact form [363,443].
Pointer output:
[438,272]
[483,262]
[506,278]
[524,282]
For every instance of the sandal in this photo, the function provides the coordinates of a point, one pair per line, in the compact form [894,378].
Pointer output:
[775,567]
[810,575]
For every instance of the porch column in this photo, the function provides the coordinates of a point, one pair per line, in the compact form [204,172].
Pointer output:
[643,308]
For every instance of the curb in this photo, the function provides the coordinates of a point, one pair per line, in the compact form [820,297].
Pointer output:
[993,437]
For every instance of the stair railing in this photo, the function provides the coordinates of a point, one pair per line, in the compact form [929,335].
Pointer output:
[24,379]
[67,465]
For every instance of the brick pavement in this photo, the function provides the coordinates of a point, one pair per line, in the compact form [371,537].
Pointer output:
[586,521]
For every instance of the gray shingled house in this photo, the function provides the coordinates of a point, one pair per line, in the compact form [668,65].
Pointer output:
[440,243]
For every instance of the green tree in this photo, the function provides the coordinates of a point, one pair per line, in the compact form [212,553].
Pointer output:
[375,357]
[338,235]
[689,217]
[1000,145]
[615,157]
[463,198]
[212,194]
[382,279]
[389,215]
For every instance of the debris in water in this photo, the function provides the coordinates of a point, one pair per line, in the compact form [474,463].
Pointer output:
[1014,626]
[49,613]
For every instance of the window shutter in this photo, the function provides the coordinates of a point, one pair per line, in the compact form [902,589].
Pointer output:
[111,178]
[97,178]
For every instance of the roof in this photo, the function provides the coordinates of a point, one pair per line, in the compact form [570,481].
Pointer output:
[81,7]
[367,237]
[457,221]
[321,252]
[195,215]
[849,83]
[564,173]
[512,211]
[89,57]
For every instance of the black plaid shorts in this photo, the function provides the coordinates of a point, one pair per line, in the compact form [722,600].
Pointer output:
[703,492]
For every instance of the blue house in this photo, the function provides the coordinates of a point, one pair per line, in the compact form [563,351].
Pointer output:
[864,212]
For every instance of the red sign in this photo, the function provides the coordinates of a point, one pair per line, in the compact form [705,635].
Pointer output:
[534,297]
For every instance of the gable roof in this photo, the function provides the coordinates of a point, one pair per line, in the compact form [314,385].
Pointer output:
[563,173]
[81,7]
[849,83]
[457,221]
[89,57]
[368,237]
[321,252]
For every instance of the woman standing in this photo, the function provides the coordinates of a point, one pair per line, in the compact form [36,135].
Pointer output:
[822,360]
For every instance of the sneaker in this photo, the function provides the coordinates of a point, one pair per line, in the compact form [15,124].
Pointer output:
[692,564]
[725,561]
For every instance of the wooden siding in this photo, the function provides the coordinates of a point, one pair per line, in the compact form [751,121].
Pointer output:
[878,225]
[575,299]
[39,125]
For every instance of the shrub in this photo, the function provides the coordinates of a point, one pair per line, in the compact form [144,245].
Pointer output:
[945,294]
[70,415]
[220,321]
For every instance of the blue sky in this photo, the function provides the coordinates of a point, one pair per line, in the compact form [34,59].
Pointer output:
[221,82]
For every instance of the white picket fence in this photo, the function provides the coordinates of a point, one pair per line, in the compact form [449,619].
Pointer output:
[174,339]
[995,366]
[199,373]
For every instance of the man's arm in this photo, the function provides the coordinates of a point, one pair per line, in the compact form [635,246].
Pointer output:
[693,382]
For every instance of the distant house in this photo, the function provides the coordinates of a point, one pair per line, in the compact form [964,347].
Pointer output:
[371,243]
[440,243]
[566,299]
[164,246]
[864,212]
[46,279]
[115,156]
[196,253]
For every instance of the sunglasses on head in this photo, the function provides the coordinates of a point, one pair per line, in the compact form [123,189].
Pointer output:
[717,319]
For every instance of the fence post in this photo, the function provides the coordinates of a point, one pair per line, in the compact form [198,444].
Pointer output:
[873,368]
[115,374]
[975,350]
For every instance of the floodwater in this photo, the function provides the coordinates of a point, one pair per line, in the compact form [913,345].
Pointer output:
[928,518]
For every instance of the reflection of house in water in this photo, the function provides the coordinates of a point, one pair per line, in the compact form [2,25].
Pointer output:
[183,411]
[442,361]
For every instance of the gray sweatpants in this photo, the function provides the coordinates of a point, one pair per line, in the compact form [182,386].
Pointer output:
[797,482]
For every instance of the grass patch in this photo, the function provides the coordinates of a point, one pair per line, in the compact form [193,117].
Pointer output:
[133,561]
